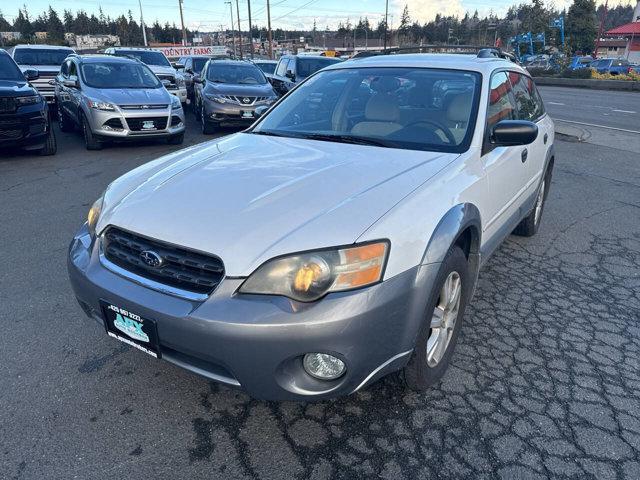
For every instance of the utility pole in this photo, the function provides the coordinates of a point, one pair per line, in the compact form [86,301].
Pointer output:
[386,22]
[144,30]
[239,28]
[269,35]
[250,31]
[233,34]
[184,31]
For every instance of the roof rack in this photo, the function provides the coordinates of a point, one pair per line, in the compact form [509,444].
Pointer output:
[481,51]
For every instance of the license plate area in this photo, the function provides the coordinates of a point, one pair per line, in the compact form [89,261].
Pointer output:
[246,113]
[131,328]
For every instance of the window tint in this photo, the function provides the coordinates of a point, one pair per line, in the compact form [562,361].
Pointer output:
[73,69]
[501,102]
[9,70]
[527,106]
[64,70]
[309,65]
[282,67]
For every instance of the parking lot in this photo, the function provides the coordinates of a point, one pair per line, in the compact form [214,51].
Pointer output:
[545,380]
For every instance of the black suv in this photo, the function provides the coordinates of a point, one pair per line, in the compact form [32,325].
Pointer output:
[292,69]
[24,115]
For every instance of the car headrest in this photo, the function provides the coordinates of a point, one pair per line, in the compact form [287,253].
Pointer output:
[460,108]
[384,84]
[382,107]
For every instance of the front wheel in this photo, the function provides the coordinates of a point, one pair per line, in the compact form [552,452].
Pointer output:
[442,322]
[50,147]
[207,127]
[90,140]
[64,122]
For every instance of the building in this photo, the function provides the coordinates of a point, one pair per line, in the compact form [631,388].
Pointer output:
[42,35]
[611,48]
[91,42]
[630,35]
[10,36]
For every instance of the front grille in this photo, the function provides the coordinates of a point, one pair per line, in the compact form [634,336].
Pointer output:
[7,105]
[144,123]
[180,268]
[242,100]
[10,134]
[143,107]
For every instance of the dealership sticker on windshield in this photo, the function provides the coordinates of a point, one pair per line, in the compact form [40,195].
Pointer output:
[131,328]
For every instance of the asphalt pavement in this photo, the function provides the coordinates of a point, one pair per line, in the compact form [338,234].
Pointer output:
[545,382]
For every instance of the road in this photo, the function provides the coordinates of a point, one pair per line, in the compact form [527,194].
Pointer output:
[545,381]
[594,107]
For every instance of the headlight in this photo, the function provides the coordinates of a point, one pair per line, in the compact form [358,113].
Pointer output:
[99,105]
[306,277]
[30,100]
[94,215]
[180,82]
[175,103]
[216,98]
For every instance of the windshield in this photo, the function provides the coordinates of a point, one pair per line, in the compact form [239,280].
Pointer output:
[9,70]
[198,63]
[41,56]
[119,75]
[145,56]
[267,67]
[410,108]
[241,74]
[308,65]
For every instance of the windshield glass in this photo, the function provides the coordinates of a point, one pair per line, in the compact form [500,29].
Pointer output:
[308,65]
[41,56]
[241,74]
[119,75]
[9,70]
[266,67]
[198,63]
[410,108]
[145,56]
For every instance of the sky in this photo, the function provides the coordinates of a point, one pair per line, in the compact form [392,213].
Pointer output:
[209,15]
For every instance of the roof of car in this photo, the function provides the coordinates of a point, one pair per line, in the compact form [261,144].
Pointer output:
[102,58]
[429,60]
[43,47]
[227,61]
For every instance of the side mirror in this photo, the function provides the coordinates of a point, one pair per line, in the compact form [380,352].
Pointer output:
[177,66]
[513,132]
[259,111]
[31,74]
[189,71]
[71,83]
[290,75]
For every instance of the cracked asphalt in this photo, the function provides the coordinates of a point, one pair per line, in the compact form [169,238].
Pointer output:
[545,382]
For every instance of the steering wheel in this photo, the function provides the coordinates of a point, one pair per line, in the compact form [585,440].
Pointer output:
[250,80]
[439,126]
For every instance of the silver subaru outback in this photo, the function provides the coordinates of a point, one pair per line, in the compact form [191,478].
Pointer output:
[115,98]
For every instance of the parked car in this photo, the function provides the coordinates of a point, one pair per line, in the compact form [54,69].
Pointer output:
[24,114]
[333,242]
[192,66]
[115,98]
[613,66]
[292,69]
[228,93]
[46,59]
[578,62]
[159,64]
[267,66]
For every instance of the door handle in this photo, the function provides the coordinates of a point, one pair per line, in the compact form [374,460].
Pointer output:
[545,138]
[525,154]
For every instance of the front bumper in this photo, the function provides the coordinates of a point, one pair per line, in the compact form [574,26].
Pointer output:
[128,124]
[230,114]
[27,128]
[257,342]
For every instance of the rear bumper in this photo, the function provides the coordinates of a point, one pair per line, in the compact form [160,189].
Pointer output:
[257,342]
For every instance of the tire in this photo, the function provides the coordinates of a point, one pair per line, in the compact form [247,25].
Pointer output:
[64,122]
[176,139]
[428,364]
[196,110]
[530,224]
[90,140]
[51,146]
[207,127]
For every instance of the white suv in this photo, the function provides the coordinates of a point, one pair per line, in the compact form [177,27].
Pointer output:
[335,241]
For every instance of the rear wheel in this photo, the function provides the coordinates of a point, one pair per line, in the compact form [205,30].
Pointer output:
[50,147]
[442,323]
[90,140]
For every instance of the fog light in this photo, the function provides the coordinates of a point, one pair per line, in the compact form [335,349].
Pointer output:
[323,366]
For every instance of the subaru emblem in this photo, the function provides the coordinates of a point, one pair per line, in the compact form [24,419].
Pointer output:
[151,258]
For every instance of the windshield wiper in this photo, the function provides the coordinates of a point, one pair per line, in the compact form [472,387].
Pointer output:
[347,139]
[269,133]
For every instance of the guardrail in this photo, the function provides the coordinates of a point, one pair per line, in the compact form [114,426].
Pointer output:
[625,85]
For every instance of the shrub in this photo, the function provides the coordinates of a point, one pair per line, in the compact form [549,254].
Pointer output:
[581,73]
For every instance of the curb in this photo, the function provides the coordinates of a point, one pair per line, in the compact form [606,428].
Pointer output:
[571,133]
[624,85]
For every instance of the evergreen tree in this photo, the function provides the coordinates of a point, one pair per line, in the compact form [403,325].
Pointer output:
[54,28]
[4,25]
[23,25]
[581,25]
[405,24]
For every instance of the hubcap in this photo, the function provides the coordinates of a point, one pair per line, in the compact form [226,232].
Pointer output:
[444,318]
[539,203]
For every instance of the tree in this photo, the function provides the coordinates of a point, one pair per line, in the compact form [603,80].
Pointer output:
[23,25]
[405,23]
[4,25]
[581,25]
[55,28]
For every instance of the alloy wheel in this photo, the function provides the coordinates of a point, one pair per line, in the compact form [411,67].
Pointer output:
[444,318]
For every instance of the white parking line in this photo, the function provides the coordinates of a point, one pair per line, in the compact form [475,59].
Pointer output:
[624,111]
[598,126]
[555,103]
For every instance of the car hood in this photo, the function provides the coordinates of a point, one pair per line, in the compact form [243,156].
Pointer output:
[158,69]
[15,88]
[248,198]
[132,96]
[264,90]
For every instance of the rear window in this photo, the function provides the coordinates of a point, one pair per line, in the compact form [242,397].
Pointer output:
[145,56]
[308,65]
[41,56]
[9,70]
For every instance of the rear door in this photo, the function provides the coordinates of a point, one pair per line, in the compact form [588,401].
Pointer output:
[507,174]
